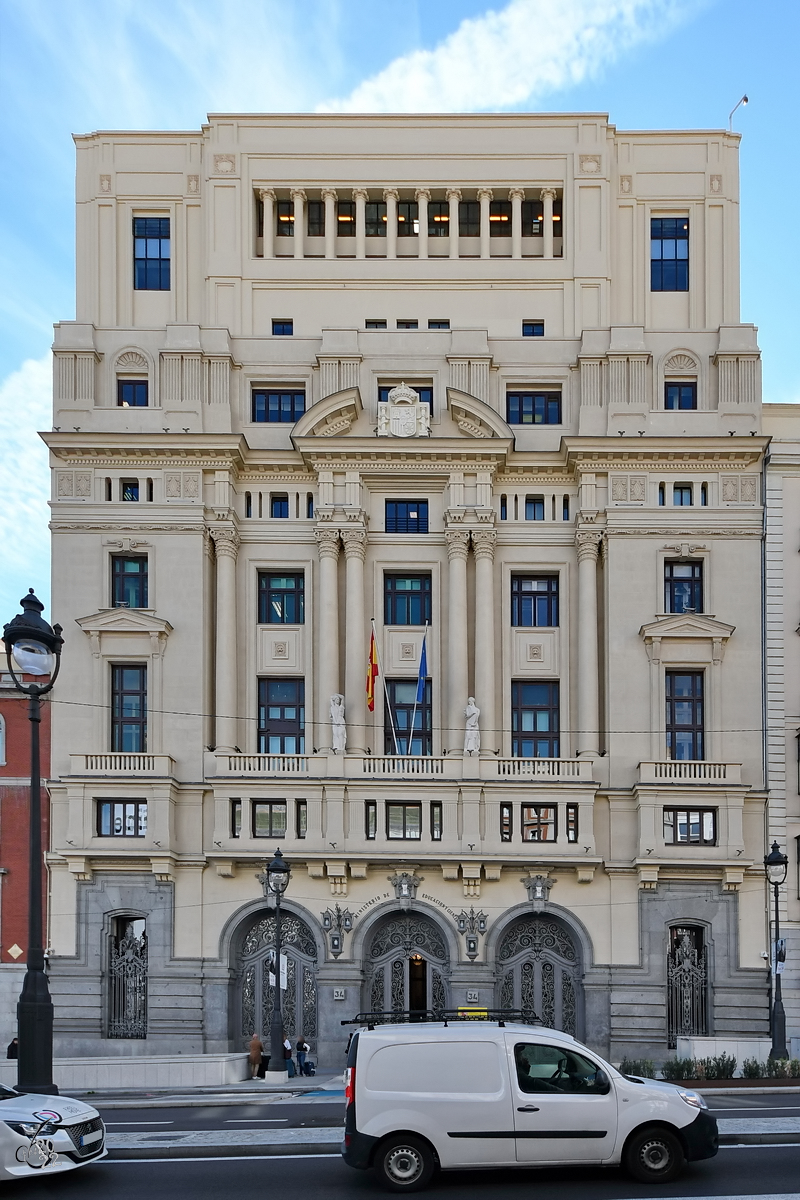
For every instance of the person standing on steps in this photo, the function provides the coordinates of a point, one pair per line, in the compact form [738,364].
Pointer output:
[256,1051]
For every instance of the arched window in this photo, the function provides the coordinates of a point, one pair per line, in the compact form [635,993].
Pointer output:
[127,978]
[687,983]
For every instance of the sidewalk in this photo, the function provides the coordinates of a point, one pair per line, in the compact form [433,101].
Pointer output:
[245,1092]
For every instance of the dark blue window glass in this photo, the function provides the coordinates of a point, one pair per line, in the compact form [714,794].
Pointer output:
[406,516]
[282,328]
[407,719]
[279,505]
[129,581]
[284,407]
[533,328]
[281,599]
[680,395]
[425,395]
[534,601]
[129,709]
[151,254]
[281,716]
[669,254]
[684,715]
[132,393]
[407,599]
[534,720]
[533,408]
[534,508]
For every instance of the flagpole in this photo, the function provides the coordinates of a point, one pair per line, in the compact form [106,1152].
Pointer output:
[385,690]
[416,696]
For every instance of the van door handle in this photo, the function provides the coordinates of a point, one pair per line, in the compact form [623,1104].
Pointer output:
[528,1108]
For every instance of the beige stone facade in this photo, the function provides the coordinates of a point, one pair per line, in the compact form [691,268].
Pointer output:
[535,498]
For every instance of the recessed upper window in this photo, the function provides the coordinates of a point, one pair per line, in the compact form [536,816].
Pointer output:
[438,218]
[316,218]
[407,323]
[279,505]
[129,581]
[682,495]
[346,218]
[669,254]
[284,211]
[533,328]
[533,408]
[534,601]
[376,323]
[281,599]
[407,599]
[282,327]
[680,395]
[151,254]
[272,405]
[121,818]
[683,587]
[500,218]
[534,508]
[132,393]
[406,516]
[469,218]
[375,219]
[439,324]
[407,218]
[129,489]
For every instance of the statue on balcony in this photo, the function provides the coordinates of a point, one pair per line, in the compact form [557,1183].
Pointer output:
[472,734]
[338,727]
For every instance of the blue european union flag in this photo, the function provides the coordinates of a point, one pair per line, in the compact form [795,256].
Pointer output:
[423,672]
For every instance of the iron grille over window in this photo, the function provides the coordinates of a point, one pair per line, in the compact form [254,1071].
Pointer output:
[534,601]
[127,975]
[687,984]
[129,581]
[281,599]
[406,516]
[151,254]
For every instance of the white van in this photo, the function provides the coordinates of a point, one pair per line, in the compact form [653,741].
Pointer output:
[484,1094]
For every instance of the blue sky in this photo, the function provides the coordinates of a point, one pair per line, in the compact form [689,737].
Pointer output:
[106,64]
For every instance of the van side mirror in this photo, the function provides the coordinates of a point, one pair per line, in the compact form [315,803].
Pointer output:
[602,1084]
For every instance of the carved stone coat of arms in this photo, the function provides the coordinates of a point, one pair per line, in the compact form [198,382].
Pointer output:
[404,414]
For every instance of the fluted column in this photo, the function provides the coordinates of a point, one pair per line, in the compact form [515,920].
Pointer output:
[299,224]
[328,640]
[548,195]
[588,544]
[355,669]
[483,545]
[453,199]
[226,544]
[516,196]
[391,196]
[457,681]
[422,196]
[329,197]
[485,197]
[360,197]
[268,239]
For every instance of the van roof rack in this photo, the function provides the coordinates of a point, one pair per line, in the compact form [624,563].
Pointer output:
[408,1016]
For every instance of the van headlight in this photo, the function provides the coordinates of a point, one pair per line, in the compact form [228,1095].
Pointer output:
[692,1098]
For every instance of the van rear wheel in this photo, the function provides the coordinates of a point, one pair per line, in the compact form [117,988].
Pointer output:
[654,1156]
[405,1164]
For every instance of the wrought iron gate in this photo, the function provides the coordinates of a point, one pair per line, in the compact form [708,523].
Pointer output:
[539,972]
[687,984]
[127,972]
[407,966]
[299,1000]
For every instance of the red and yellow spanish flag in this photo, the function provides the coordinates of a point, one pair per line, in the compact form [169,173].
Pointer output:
[372,672]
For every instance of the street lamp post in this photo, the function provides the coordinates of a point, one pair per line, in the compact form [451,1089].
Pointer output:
[277,873]
[775,867]
[34,648]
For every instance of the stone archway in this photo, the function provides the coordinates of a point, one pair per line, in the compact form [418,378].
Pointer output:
[407,965]
[254,966]
[539,970]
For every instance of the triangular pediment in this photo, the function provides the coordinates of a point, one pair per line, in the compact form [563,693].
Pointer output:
[123,620]
[331,417]
[476,419]
[686,625]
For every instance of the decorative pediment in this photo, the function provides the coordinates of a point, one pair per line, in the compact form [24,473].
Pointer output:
[332,416]
[476,419]
[125,622]
[686,627]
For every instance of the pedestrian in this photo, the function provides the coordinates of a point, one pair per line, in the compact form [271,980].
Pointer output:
[302,1049]
[13,1048]
[255,1053]
[287,1054]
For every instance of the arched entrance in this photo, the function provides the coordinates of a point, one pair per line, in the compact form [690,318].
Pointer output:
[539,970]
[299,1000]
[407,965]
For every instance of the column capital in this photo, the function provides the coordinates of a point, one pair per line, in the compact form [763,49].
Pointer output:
[327,542]
[355,543]
[226,542]
[267,193]
[360,193]
[297,193]
[453,193]
[329,193]
[548,192]
[484,542]
[587,544]
[516,193]
[422,194]
[457,541]
[391,193]
[485,193]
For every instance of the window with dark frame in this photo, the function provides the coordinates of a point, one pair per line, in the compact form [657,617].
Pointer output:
[690,826]
[506,822]
[132,393]
[281,598]
[284,213]
[269,818]
[376,324]
[534,601]
[407,218]
[403,822]
[500,218]
[370,820]
[533,328]
[129,708]
[438,218]
[129,491]
[469,218]
[534,508]
[539,822]
[375,218]
[424,391]
[346,218]
[683,586]
[682,495]
[279,505]
[406,516]
[439,324]
[533,408]
[282,327]
[151,254]
[281,716]
[685,715]
[436,820]
[572,822]
[129,581]
[401,709]
[316,218]
[406,599]
[681,396]
[532,218]
[236,818]
[669,254]
[300,819]
[122,818]
[407,323]
[535,720]
[275,405]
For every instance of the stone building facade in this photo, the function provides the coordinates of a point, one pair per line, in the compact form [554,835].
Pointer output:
[478,384]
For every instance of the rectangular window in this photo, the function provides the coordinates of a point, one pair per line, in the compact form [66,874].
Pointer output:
[534,601]
[680,395]
[469,218]
[236,818]
[406,599]
[532,218]
[534,508]
[279,505]
[129,709]
[121,818]
[437,324]
[539,822]
[402,710]
[375,324]
[346,218]
[690,826]
[682,495]
[683,587]
[281,716]
[506,822]
[406,516]
[278,406]
[281,599]
[269,818]
[300,819]
[375,214]
[407,218]
[282,327]
[533,328]
[500,218]
[316,218]
[131,393]
[284,211]
[685,716]
[403,822]
[436,820]
[424,392]
[535,720]
[370,820]
[407,323]
[669,254]
[572,822]
[129,490]
[533,408]
[151,254]
[129,581]
[438,218]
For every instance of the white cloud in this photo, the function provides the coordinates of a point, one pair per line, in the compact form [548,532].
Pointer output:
[513,56]
[25,407]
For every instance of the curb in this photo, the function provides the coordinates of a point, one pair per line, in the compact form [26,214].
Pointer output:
[759,1139]
[269,1149]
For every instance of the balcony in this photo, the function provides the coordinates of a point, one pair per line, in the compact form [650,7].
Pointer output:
[714,774]
[120,766]
[391,766]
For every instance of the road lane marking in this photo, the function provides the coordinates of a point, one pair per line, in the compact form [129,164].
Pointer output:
[132,1162]
[140,1122]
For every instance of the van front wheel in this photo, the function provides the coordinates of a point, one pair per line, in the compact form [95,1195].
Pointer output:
[405,1164]
[654,1156]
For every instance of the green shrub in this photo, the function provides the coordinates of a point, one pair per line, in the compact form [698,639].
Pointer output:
[777,1068]
[794,1068]
[675,1069]
[721,1067]
[644,1067]
[752,1069]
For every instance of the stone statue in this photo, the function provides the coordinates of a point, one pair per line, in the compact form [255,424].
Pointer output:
[472,734]
[338,727]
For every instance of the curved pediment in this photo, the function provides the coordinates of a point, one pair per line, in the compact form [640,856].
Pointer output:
[332,416]
[476,419]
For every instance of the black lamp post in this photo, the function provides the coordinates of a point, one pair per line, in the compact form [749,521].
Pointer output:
[775,867]
[34,648]
[278,872]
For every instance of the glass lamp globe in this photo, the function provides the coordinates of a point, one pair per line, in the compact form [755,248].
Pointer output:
[278,873]
[32,657]
[775,865]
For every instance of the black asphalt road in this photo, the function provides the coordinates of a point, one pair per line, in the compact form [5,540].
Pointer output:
[749,1172]
[289,1114]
